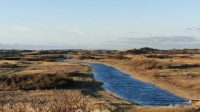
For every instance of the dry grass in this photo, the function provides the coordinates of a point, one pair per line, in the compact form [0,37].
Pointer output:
[41,87]
[7,65]
[55,87]
[148,64]
[42,57]
[46,101]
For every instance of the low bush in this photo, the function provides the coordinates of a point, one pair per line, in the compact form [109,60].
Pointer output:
[33,82]
[184,66]
[7,65]
[148,64]
[158,56]
[86,57]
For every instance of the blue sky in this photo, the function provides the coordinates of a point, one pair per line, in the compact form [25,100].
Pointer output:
[101,24]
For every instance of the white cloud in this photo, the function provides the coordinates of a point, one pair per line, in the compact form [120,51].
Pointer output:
[19,29]
[194,29]
[162,42]
[80,32]
[22,29]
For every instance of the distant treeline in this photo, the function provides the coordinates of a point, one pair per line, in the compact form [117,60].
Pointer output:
[147,50]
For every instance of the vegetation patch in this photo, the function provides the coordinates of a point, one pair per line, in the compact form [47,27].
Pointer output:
[33,82]
[8,65]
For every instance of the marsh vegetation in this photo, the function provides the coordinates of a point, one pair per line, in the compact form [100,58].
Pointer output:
[33,80]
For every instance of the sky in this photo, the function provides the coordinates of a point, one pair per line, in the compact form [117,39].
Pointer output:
[99,24]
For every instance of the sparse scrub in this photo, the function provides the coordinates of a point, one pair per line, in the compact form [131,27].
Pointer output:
[119,56]
[7,65]
[52,87]
[86,57]
[163,56]
[147,64]
[184,66]
[46,101]
[46,57]
[44,86]
[32,82]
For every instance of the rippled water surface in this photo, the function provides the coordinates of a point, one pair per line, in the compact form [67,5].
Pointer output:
[132,89]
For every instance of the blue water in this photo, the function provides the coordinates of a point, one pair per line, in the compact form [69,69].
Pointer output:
[133,89]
